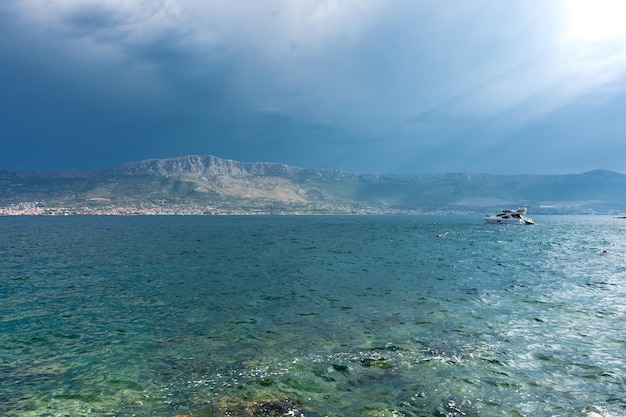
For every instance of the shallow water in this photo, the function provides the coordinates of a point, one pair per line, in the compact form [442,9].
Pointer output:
[351,315]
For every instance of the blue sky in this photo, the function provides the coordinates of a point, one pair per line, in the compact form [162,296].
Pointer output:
[376,86]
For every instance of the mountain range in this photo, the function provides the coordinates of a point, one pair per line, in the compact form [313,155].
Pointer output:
[211,185]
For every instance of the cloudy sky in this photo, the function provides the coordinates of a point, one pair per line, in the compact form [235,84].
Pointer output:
[377,86]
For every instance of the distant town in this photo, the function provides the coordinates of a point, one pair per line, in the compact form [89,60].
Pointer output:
[41,209]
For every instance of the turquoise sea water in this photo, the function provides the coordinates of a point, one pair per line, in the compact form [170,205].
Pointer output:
[351,316]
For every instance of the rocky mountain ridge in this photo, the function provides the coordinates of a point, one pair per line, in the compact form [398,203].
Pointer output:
[208,167]
[208,184]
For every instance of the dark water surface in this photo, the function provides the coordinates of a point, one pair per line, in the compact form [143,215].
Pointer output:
[352,316]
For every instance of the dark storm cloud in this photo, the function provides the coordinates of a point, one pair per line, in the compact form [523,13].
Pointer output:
[376,86]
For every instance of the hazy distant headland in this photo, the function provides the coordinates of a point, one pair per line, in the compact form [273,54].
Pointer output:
[211,185]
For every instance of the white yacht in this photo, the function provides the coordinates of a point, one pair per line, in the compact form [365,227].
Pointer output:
[509,217]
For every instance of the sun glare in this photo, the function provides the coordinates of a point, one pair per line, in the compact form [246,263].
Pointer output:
[594,20]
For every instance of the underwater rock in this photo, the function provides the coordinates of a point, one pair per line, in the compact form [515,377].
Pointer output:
[340,368]
[378,362]
[275,407]
[265,382]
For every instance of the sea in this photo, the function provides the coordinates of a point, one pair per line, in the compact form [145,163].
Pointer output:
[432,315]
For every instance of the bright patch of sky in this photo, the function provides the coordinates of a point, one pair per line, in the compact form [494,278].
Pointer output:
[376,86]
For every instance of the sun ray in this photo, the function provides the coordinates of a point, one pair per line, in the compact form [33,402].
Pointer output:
[594,20]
